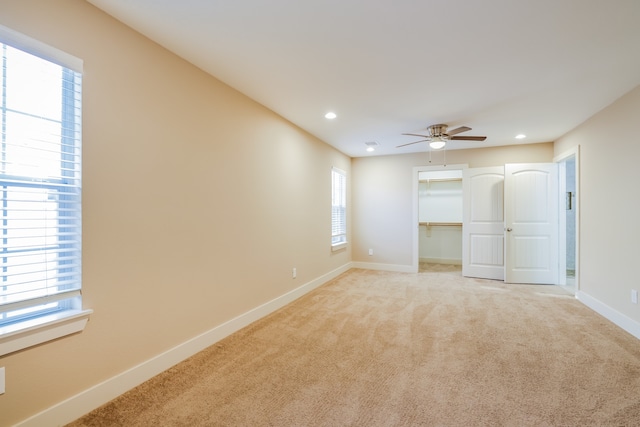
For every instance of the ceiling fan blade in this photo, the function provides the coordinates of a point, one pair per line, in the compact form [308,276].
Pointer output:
[417,134]
[458,130]
[411,143]
[468,138]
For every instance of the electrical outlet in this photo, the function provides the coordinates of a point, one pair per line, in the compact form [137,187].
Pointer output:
[634,296]
[370,252]
[294,273]
[2,380]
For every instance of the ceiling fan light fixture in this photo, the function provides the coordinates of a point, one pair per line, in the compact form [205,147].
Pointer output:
[437,143]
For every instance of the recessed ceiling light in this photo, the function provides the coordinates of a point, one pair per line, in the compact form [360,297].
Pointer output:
[521,136]
[371,146]
[330,115]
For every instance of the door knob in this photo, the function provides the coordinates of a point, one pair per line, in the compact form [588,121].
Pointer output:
[509,229]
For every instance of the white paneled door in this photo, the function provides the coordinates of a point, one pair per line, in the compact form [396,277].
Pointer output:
[510,223]
[483,220]
[531,223]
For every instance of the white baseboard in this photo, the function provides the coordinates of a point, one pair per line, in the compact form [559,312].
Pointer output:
[384,267]
[96,396]
[626,323]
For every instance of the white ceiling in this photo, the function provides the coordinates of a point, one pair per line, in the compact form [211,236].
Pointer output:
[501,67]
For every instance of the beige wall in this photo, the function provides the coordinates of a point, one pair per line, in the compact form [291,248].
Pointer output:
[197,203]
[382,201]
[609,202]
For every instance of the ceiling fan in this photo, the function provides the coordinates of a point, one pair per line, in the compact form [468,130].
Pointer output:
[438,136]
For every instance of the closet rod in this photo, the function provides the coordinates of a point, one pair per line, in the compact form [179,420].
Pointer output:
[442,224]
[440,179]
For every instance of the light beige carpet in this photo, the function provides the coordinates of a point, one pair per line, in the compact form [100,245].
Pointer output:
[390,349]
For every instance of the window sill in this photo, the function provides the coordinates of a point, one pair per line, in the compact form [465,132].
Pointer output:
[338,247]
[37,331]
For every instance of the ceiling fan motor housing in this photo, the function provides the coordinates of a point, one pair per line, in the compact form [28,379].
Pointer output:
[437,130]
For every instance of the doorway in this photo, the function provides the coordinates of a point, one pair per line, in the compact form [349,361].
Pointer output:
[437,215]
[568,164]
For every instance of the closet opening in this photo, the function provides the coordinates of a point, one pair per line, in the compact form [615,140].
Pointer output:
[438,218]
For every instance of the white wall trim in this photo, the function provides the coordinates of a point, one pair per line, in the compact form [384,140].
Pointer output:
[40,49]
[619,319]
[87,400]
[40,330]
[384,267]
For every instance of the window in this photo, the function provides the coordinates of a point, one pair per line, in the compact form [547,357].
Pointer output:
[338,209]
[40,194]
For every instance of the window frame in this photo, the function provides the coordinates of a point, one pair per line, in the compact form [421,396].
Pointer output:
[338,201]
[71,318]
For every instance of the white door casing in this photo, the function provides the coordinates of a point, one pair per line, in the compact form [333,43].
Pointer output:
[483,223]
[531,223]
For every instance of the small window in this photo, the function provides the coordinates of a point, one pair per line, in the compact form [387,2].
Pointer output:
[338,209]
[40,192]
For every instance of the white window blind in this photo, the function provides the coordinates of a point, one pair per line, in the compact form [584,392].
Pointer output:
[40,185]
[338,208]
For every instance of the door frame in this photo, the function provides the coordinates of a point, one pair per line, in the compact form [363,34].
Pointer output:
[562,230]
[415,263]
